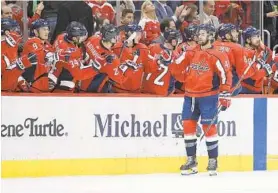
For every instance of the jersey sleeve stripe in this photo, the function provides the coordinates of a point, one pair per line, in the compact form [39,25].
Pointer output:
[222,71]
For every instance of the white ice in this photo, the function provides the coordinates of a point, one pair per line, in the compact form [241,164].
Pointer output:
[230,182]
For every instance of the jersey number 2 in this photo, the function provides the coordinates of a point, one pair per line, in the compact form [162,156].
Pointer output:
[158,81]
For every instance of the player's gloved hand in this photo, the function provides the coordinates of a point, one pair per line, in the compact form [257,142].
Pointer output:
[132,64]
[263,65]
[16,64]
[267,69]
[225,100]
[51,58]
[165,58]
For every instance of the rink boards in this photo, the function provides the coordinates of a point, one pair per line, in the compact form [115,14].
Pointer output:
[56,136]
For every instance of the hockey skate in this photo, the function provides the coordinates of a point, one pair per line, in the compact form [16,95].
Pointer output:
[212,167]
[190,167]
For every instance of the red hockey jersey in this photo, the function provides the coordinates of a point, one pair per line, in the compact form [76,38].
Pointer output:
[39,80]
[138,54]
[161,81]
[205,72]
[9,74]
[99,55]
[73,69]
[256,82]
[237,57]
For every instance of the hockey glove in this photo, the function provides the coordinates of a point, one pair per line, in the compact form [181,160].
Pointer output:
[225,100]
[165,58]
[267,69]
[17,64]
[51,58]
[265,66]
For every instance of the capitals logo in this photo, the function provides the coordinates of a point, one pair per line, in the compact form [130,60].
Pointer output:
[200,67]
[224,49]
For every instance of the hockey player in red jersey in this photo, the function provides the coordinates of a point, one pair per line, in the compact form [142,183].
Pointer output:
[36,76]
[254,46]
[190,42]
[228,35]
[162,81]
[135,54]
[12,66]
[105,63]
[207,78]
[76,66]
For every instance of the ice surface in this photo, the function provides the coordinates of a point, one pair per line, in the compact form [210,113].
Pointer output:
[228,182]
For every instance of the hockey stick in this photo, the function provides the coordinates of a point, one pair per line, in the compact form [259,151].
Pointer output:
[220,106]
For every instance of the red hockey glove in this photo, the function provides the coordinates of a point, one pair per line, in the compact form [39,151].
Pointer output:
[225,100]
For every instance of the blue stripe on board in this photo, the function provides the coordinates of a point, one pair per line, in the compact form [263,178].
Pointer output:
[260,133]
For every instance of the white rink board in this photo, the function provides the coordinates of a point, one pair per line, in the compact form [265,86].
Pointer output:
[79,126]
[272,126]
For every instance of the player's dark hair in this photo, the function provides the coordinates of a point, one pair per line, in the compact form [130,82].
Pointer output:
[165,23]
[126,11]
